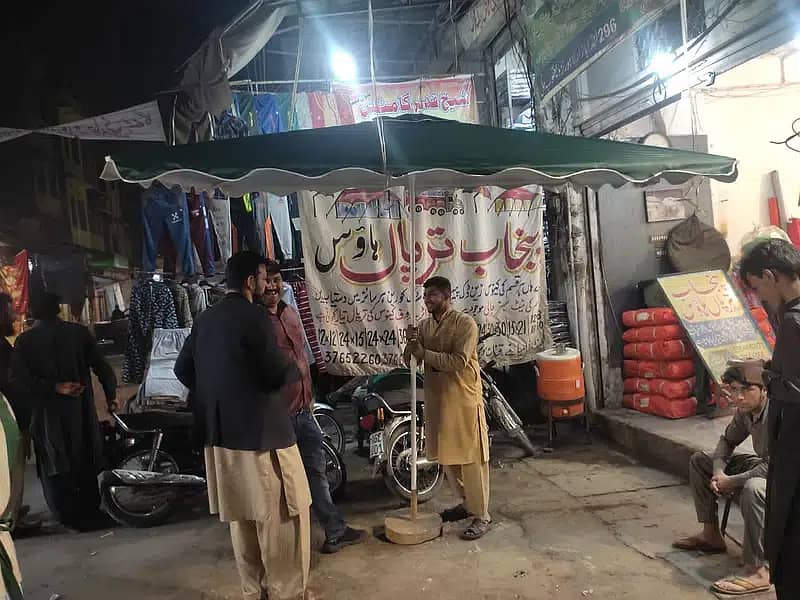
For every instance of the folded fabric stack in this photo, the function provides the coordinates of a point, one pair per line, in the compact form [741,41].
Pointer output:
[659,367]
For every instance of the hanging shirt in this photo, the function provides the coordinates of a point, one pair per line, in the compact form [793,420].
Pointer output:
[282,224]
[287,296]
[304,308]
[152,306]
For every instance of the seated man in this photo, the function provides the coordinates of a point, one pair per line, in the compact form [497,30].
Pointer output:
[725,474]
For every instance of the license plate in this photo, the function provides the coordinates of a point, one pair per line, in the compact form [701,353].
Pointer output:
[376,444]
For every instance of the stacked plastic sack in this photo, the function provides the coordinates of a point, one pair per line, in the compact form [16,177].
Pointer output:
[659,367]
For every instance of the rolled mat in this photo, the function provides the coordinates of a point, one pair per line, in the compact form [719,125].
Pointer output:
[652,404]
[649,317]
[654,334]
[651,369]
[669,388]
[661,350]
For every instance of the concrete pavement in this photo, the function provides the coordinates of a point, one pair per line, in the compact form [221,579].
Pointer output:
[584,522]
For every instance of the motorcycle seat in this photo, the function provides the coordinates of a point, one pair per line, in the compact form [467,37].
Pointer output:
[402,398]
[157,419]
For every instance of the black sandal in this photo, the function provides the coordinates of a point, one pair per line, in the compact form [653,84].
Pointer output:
[457,513]
[477,529]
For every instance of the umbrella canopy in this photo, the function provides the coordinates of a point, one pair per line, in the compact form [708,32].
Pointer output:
[379,154]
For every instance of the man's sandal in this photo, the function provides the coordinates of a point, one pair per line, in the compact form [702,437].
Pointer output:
[477,529]
[696,544]
[745,586]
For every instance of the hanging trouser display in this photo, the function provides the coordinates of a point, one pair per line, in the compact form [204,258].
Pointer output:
[221,215]
[261,216]
[166,211]
[200,230]
[243,220]
[281,223]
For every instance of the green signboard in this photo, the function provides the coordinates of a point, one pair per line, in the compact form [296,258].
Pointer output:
[567,35]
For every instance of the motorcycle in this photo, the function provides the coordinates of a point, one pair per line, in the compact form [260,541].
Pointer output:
[156,463]
[331,428]
[384,417]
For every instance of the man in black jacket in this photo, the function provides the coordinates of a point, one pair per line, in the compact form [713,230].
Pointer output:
[772,269]
[51,366]
[256,480]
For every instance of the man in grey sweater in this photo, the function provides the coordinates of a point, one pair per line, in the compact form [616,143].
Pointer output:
[724,473]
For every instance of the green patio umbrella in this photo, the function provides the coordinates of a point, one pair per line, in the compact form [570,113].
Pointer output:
[383,153]
[417,152]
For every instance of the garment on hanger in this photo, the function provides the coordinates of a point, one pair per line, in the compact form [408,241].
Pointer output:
[243,219]
[197,299]
[201,230]
[182,307]
[221,216]
[304,308]
[269,240]
[288,298]
[281,222]
[166,211]
[152,306]
[268,114]
[261,215]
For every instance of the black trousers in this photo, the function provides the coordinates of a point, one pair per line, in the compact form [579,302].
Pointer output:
[73,498]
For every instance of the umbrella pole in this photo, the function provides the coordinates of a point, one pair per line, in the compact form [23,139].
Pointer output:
[417,527]
[412,287]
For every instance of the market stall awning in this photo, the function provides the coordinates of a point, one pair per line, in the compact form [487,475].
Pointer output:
[438,152]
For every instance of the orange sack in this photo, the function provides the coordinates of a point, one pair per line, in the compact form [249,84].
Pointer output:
[661,350]
[678,388]
[649,317]
[759,313]
[654,334]
[661,406]
[650,369]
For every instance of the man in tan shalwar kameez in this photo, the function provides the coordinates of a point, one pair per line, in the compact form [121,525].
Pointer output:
[456,434]
[256,479]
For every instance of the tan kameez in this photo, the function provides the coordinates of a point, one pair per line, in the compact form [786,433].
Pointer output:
[455,423]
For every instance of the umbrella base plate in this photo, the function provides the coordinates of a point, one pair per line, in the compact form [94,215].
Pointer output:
[409,532]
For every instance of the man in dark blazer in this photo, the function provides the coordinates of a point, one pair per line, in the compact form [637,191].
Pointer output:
[772,269]
[256,480]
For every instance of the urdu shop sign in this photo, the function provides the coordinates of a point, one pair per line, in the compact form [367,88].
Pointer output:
[715,318]
[566,36]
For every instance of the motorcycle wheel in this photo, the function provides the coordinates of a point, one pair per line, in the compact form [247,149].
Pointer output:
[335,470]
[141,507]
[397,473]
[331,428]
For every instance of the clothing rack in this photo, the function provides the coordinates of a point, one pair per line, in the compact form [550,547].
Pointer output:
[138,274]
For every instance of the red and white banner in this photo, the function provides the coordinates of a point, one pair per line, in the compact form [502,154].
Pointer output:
[488,242]
[447,98]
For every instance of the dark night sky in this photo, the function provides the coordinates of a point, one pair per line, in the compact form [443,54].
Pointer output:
[108,55]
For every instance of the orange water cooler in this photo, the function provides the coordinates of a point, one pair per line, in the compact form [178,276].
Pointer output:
[560,385]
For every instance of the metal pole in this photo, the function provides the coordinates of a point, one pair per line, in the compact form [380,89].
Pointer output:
[686,85]
[374,10]
[407,77]
[412,193]
[296,73]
